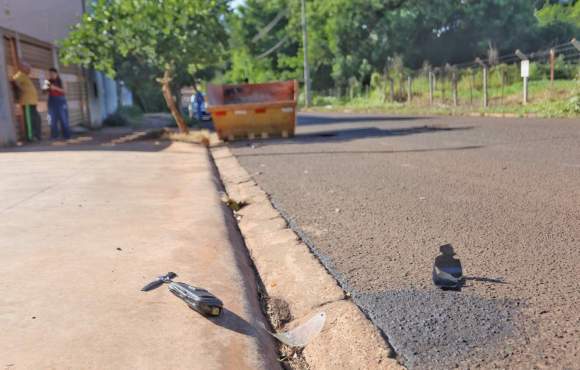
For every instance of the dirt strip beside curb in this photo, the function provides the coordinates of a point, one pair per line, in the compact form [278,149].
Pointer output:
[301,287]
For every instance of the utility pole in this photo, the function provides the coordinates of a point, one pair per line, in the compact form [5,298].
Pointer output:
[305,45]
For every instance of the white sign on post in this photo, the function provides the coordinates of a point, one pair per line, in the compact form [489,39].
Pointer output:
[525,68]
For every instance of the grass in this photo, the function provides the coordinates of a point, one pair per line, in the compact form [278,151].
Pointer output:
[560,99]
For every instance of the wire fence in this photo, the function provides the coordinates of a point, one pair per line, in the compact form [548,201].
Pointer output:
[493,81]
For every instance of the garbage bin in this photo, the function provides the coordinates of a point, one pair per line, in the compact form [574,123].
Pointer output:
[248,111]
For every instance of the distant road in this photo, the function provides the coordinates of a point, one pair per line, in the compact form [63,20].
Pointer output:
[376,196]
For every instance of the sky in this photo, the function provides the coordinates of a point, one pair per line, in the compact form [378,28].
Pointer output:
[47,20]
[236,3]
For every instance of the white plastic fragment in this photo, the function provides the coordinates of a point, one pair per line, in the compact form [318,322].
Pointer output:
[301,335]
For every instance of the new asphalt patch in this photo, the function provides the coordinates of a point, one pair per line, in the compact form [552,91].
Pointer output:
[438,329]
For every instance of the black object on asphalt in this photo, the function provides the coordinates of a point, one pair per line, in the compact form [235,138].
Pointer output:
[159,281]
[447,270]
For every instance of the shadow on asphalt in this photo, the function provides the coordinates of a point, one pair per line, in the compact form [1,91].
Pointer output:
[122,138]
[338,136]
[305,119]
[90,142]
[372,132]
[269,154]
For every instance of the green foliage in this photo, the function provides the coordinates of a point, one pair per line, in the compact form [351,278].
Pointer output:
[137,40]
[560,13]
[562,70]
[124,116]
[560,99]
[358,38]
[133,113]
[115,120]
[249,58]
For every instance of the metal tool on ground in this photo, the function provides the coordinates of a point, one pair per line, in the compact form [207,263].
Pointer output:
[447,270]
[301,335]
[198,299]
[167,278]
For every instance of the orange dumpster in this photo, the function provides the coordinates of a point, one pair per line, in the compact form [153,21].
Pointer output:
[248,111]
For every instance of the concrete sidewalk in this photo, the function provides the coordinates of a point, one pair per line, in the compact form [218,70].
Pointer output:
[83,228]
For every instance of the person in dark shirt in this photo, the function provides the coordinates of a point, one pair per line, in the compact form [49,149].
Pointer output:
[57,107]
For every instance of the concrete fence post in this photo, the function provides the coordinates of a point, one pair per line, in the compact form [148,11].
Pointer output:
[525,93]
[409,89]
[430,87]
[552,65]
[485,73]
[485,79]
[442,79]
[524,70]
[454,87]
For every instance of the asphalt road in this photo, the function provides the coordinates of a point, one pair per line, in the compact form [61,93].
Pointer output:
[375,197]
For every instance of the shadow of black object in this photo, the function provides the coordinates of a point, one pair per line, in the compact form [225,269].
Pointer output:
[231,321]
[485,280]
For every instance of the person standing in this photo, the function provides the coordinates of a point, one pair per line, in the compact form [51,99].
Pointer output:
[57,107]
[197,103]
[28,100]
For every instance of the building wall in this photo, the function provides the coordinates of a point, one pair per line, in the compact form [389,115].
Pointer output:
[40,55]
[7,126]
[92,96]
[46,20]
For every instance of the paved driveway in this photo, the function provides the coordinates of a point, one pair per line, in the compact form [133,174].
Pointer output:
[84,226]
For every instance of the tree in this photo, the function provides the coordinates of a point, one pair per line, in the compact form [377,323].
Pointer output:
[352,39]
[169,39]
[568,12]
[259,55]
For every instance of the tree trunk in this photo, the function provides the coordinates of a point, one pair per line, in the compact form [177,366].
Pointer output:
[166,89]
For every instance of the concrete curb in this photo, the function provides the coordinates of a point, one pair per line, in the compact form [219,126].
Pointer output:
[298,284]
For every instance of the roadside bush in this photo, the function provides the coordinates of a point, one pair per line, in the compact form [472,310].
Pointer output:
[191,122]
[124,116]
[115,120]
[132,112]
[562,70]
